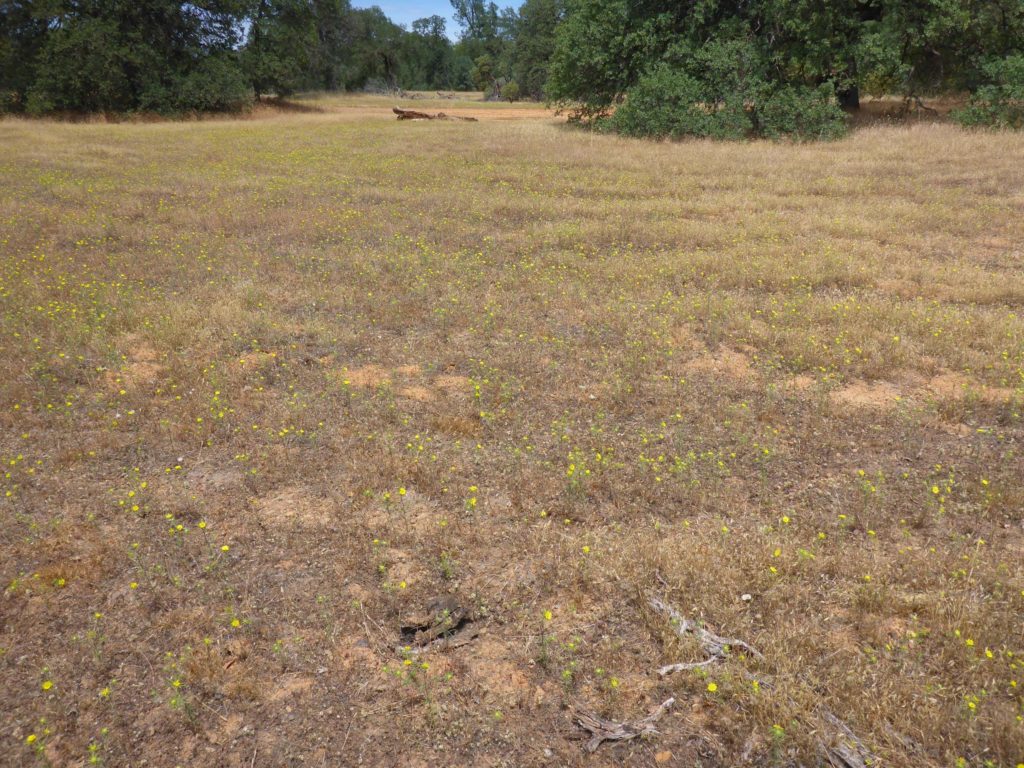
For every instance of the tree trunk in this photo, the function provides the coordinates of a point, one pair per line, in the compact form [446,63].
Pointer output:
[849,98]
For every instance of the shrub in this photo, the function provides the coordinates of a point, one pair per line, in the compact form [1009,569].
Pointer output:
[723,89]
[669,103]
[10,101]
[725,101]
[216,84]
[801,113]
[511,91]
[1000,102]
[482,73]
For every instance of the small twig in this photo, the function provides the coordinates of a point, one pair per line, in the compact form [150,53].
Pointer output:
[344,743]
[668,669]
[607,730]
[218,714]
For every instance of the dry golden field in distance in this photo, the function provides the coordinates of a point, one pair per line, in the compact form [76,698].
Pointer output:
[331,440]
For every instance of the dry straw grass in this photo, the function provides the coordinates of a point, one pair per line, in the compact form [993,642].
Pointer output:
[269,386]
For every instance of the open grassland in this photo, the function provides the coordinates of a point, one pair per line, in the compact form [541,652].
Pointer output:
[269,387]
[459,103]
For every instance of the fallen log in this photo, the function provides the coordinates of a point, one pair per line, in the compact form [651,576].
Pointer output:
[412,114]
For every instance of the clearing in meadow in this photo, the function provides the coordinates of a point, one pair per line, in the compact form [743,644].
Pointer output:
[334,440]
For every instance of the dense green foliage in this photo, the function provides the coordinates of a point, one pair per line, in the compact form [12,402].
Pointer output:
[800,112]
[282,42]
[780,67]
[121,55]
[172,57]
[1000,100]
[533,44]
[669,102]
[723,91]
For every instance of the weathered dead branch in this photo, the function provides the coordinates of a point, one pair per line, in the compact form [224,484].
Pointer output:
[845,749]
[842,749]
[444,624]
[716,647]
[602,730]
[412,114]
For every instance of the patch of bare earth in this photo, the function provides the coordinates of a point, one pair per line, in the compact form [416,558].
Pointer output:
[498,673]
[410,380]
[294,507]
[141,368]
[959,386]
[881,395]
[367,376]
[730,363]
[801,382]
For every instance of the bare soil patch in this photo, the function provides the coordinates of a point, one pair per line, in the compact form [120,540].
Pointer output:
[294,507]
[877,394]
[958,386]
[729,363]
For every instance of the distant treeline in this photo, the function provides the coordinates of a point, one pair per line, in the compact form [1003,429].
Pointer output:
[725,68]
[208,55]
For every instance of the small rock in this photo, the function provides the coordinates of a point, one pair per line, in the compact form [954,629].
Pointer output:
[746,598]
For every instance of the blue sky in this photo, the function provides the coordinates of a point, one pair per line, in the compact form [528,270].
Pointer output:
[405,12]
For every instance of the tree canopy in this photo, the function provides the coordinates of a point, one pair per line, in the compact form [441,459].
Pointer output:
[121,54]
[171,57]
[738,67]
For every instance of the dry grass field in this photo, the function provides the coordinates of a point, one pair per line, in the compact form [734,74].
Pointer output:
[331,440]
